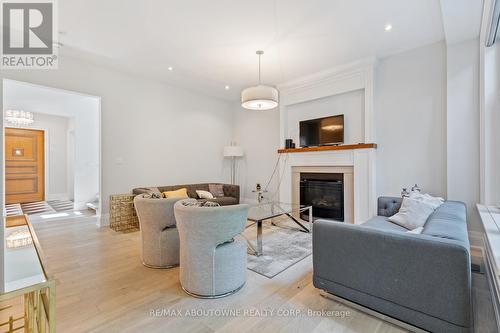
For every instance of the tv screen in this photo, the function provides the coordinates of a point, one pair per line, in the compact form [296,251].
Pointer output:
[322,131]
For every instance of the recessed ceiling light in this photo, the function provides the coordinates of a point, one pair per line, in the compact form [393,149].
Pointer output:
[388,27]
[170,68]
[227,87]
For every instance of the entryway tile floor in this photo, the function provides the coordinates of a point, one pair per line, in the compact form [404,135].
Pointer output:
[39,207]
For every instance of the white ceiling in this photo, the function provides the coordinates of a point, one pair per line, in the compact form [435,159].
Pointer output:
[39,99]
[211,44]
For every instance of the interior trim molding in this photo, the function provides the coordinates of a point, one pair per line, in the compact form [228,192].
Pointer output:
[56,196]
[476,239]
[103,220]
[353,76]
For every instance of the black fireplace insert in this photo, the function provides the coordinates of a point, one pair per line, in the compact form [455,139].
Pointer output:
[325,193]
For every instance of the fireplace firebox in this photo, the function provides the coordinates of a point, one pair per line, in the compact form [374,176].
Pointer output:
[325,193]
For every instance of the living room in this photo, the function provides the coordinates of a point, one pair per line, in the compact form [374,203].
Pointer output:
[256,110]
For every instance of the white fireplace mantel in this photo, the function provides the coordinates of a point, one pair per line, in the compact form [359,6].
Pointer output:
[362,162]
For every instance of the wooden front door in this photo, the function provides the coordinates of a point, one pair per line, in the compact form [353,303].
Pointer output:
[24,165]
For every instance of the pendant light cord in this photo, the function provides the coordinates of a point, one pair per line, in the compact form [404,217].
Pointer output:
[259,53]
[259,68]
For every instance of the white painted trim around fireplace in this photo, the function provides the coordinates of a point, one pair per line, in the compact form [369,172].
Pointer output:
[362,162]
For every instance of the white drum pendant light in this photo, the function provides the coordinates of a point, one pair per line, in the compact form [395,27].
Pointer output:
[260,97]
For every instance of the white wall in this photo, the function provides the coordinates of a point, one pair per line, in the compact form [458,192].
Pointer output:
[152,133]
[258,133]
[86,153]
[70,159]
[351,104]
[491,123]
[463,126]
[55,154]
[410,120]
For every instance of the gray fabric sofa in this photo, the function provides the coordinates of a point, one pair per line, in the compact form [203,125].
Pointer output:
[212,259]
[421,279]
[231,192]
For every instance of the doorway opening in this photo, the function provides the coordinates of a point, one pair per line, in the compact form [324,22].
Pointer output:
[51,152]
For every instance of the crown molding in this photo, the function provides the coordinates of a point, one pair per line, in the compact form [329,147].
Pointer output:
[335,73]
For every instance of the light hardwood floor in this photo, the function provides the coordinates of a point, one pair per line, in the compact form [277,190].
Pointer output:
[103,287]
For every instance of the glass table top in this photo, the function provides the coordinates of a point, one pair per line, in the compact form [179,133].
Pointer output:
[267,210]
[22,266]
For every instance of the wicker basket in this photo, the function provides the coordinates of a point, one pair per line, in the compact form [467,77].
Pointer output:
[122,214]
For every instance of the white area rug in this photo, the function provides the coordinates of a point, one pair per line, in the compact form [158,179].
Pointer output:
[284,245]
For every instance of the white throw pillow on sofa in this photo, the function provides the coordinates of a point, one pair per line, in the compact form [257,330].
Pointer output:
[435,202]
[412,214]
[204,194]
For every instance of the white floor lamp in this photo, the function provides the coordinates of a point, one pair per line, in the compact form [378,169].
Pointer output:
[233,152]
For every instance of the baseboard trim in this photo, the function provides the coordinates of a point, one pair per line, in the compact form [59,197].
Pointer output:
[103,220]
[476,239]
[80,205]
[56,196]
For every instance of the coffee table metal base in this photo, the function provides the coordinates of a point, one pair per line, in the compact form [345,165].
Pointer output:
[256,249]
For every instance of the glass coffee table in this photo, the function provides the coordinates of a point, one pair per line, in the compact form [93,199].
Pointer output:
[268,210]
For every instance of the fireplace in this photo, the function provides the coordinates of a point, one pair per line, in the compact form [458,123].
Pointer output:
[325,193]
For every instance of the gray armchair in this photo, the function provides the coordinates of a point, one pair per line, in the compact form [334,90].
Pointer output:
[159,235]
[212,261]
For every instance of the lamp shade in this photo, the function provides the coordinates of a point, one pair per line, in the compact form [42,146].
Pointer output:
[260,97]
[233,151]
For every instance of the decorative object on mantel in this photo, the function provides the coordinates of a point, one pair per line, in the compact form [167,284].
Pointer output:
[19,117]
[122,214]
[325,148]
[289,144]
[233,151]
[259,97]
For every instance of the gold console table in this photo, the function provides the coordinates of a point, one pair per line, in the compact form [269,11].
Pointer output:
[28,287]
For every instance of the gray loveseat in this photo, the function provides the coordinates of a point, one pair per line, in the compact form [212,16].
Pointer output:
[421,279]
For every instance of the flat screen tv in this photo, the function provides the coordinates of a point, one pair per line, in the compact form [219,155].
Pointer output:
[322,131]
